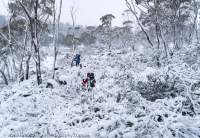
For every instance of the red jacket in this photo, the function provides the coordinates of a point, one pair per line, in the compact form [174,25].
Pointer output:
[85,82]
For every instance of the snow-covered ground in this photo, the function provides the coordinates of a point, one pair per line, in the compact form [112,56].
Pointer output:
[112,109]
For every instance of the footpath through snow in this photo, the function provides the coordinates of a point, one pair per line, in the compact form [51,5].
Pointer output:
[112,109]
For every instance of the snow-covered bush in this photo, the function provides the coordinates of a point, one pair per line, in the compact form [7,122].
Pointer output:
[187,108]
[159,86]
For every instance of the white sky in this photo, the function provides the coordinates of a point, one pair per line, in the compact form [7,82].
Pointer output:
[88,11]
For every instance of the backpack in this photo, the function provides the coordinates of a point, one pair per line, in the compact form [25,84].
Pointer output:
[92,83]
[77,57]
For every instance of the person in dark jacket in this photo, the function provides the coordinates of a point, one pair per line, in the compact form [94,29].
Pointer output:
[92,80]
[77,59]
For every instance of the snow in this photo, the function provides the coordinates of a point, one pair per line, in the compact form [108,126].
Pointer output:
[67,111]
[146,72]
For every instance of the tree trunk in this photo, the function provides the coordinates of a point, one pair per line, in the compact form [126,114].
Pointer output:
[73,14]
[157,36]
[27,67]
[164,43]
[4,77]
[8,70]
[36,45]
[34,38]
[158,54]
[194,22]
[54,39]
[21,65]
[197,35]
[24,48]
[56,32]
[133,11]
[13,65]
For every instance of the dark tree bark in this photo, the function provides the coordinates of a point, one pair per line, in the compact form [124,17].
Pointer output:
[27,67]
[4,77]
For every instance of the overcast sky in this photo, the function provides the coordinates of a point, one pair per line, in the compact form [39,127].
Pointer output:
[88,11]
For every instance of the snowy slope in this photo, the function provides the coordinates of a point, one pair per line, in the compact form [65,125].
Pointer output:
[68,111]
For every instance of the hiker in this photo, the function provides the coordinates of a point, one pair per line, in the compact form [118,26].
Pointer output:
[77,59]
[85,81]
[89,82]
[92,80]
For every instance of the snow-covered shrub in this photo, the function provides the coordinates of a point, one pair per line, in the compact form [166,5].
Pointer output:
[159,86]
[51,84]
[187,108]
[62,80]
[141,58]
[195,86]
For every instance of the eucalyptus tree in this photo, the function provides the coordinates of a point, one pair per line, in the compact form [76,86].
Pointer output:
[107,28]
[36,13]
[164,22]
